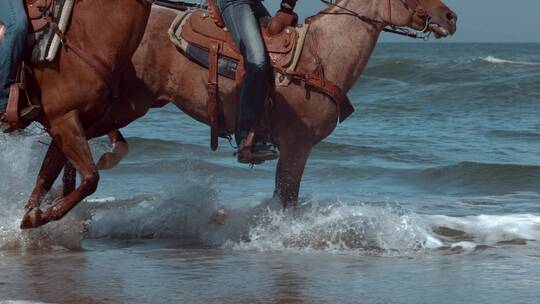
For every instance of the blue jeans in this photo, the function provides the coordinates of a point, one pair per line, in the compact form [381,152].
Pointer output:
[241,18]
[13,15]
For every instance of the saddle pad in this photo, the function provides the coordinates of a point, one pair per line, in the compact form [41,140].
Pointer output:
[226,65]
[45,43]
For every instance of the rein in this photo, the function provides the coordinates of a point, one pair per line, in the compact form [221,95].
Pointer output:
[389,28]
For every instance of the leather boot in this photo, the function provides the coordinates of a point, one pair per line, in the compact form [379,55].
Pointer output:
[260,152]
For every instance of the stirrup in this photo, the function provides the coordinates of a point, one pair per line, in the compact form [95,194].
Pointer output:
[255,153]
[26,115]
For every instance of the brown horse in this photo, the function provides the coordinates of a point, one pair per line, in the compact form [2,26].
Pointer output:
[338,36]
[74,94]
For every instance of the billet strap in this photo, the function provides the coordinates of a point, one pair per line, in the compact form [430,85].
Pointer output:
[13,108]
[100,68]
[212,103]
[12,111]
[325,86]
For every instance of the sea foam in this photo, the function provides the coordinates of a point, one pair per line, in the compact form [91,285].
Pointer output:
[495,60]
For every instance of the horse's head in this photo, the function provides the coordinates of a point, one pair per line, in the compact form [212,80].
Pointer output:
[422,15]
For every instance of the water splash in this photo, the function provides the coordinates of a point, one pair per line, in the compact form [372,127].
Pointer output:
[21,156]
[341,228]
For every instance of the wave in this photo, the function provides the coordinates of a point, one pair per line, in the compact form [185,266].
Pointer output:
[495,60]
[483,177]
[332,226]
[385,231]
[487,229]
[461,178]
[399,76]
[515,134]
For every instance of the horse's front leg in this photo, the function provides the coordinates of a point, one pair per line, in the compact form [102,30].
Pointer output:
[70,138]
[107,161]
[290,169]
[50,169]
[69,179]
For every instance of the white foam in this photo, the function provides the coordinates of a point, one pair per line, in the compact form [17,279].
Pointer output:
[491,229]
[336,227]
[107,199]
[383,230]
[341,228]
[496,60]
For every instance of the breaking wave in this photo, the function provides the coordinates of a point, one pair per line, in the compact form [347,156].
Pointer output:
[495,60]
[385,231]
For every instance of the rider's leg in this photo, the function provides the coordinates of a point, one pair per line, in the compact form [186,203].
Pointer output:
[13,15]
[240,19]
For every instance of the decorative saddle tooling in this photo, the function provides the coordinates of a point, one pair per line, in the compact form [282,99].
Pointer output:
[199,36]
[47,19]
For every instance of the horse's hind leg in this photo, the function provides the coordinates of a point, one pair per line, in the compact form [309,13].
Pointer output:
[69,136]
[119,150]
[50,169]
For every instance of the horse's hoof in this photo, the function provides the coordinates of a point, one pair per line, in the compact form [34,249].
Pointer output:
[219,217]
[32,219]
[110,159]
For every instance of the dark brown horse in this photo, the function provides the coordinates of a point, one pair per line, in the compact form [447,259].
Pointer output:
[338,37]
[74,94]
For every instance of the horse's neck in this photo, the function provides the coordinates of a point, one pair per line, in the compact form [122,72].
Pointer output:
[343,42]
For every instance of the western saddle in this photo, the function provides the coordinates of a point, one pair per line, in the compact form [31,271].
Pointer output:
[22,108]
[204,31]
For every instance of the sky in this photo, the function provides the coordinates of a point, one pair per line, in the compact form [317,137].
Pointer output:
[478,20]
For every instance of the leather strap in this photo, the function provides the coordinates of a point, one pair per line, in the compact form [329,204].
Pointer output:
[213,11]
[14,100]
[100,68]
[325,86]
[12,111]
[345,108]
[212,103]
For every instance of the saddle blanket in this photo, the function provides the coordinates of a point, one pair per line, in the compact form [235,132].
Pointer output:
[45,43]
[227,66]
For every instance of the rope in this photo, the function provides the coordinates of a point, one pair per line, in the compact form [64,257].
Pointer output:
[389,28]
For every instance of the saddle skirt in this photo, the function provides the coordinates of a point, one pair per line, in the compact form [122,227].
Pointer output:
[194,33]
[42,40]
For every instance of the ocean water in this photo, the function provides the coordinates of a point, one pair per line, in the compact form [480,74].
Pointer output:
[429,193]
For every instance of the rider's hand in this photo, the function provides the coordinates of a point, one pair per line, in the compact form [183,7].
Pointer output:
[282,19]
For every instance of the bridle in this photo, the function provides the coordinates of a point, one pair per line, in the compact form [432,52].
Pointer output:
[413,5]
